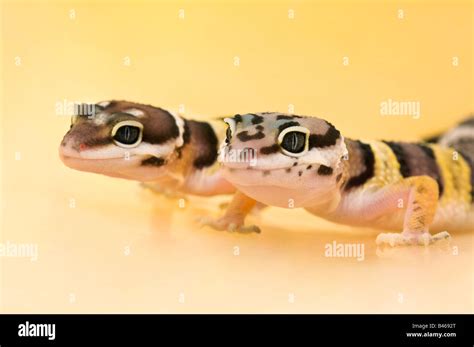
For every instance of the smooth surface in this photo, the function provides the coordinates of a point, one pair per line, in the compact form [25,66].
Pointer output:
[105,245]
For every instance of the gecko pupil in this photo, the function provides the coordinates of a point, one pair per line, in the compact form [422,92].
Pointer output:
[127,134]
[294,142]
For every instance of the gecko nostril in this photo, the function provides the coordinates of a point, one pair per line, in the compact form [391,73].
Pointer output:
[82,147]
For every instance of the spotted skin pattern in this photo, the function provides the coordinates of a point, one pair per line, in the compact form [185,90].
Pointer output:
[414,188]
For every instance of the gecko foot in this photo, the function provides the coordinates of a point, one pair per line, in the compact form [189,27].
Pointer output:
[229,224]
[409,238]
[167,193]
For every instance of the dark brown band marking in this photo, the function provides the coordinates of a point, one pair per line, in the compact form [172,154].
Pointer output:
[417,159]
[435,170]
[369,162]
[186,133]
[397,149]
[469,162]
[205,143]
[326,140]
[427,150]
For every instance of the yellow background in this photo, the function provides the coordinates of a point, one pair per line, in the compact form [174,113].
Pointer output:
[83,264]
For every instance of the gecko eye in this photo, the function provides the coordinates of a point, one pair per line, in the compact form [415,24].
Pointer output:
[127,134]
[230,129]
[294,141]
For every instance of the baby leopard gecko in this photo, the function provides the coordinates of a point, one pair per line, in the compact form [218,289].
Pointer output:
[148,144]
[305,162]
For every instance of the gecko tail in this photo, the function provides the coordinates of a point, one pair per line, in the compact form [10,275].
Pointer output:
[461,137]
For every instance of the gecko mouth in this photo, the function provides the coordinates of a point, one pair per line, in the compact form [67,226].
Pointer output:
[131,169]
[96,165]
[261,163]
[76,161]
[79,158]
[269,169]
[299,176]
[280,177]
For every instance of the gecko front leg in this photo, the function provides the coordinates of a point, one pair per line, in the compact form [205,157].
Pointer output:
[422,199]
[234,217]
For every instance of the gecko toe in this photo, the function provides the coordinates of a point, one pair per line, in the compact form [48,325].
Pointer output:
[409,238]
[227,224]
[391,239]
[441,236]
[249,229]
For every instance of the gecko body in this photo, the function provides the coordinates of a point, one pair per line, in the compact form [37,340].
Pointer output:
[305,162]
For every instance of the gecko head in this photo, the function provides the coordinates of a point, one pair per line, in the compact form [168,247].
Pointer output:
[123,139]
[275,157]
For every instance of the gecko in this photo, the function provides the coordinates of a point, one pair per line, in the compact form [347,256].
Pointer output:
[147,144]
[408,190]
